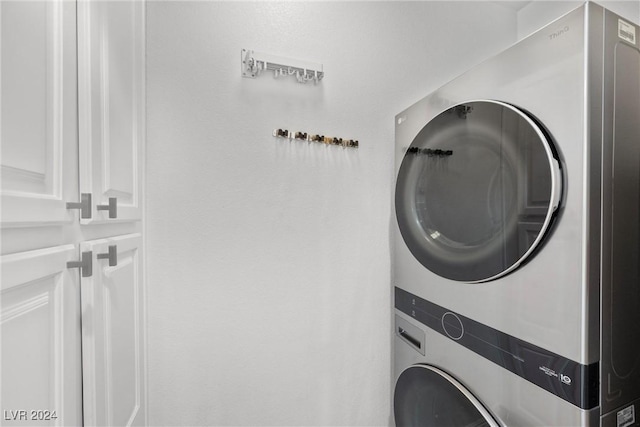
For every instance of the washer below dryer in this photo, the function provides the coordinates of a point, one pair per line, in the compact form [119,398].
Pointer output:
[516,252]
[427,394]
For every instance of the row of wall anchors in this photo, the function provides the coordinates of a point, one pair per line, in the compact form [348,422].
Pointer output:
[304,136]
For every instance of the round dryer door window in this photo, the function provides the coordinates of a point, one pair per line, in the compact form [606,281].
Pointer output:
[429,397]
[477,191]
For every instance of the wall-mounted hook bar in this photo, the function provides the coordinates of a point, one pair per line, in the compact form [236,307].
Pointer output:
[253,63]
[305,136]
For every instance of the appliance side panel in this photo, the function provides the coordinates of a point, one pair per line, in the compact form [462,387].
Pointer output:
[620,293]
[593,178]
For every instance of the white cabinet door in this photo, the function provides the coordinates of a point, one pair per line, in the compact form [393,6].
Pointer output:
[40,338]
[113,334]
[38,120]
[111,98]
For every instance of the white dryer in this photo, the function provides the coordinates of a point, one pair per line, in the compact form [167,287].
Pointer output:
[516,268]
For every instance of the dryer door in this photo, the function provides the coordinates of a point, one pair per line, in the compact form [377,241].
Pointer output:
[477,190]
[428,397]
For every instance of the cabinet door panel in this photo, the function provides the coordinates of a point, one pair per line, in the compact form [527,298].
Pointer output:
[39,166]
[111,97]
[40,330]
[112,332]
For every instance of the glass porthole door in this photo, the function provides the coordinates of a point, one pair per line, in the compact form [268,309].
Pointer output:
[426,396]
[477,191]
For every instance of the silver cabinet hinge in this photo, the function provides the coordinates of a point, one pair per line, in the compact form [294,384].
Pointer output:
[85,264]
[84,205]
[111,255]
[111,207]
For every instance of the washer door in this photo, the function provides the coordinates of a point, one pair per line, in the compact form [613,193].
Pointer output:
[477,190]
[428,397]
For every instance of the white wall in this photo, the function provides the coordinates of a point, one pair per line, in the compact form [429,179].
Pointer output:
[268,261]
[537,14]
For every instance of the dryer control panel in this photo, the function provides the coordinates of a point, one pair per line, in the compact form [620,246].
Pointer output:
[567,379]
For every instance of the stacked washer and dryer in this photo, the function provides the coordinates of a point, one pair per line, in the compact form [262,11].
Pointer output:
[517,248]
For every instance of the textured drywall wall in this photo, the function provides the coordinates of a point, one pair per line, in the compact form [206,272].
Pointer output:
[268,260]
[537,14]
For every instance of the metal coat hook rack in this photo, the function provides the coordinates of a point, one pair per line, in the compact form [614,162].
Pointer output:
[252,64]
[305,136]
